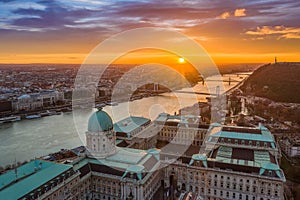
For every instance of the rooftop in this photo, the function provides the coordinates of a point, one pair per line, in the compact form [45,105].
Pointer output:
[189,121]
[30,176]
[125,160]
[242,156]
[260,133]
[24,96]
[163,117]
[239,156]
[130,124]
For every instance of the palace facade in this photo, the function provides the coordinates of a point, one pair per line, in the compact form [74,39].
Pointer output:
[200,161]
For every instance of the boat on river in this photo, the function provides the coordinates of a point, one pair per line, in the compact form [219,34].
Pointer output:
[33,116]
[9,119]
[112,103]
[49,113]
[100,105]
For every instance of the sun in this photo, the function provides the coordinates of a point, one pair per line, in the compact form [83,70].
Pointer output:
[181,60]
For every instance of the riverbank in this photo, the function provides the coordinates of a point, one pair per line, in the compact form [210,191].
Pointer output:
[27,139]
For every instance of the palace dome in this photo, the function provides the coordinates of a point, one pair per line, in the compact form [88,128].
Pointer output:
[100,121]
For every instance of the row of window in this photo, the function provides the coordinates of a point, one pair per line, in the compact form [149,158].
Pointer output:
[233,195]
[242,142]
[227,182]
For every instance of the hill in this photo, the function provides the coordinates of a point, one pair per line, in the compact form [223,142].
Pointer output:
[279,82]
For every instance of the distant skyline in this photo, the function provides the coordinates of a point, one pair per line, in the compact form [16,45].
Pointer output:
[58,31]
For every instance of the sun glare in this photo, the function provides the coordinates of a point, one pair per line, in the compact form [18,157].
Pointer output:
[181,60]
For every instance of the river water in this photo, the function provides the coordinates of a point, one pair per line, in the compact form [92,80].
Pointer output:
[28,139]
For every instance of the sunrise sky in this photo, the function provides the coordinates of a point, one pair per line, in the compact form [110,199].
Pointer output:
[59,31]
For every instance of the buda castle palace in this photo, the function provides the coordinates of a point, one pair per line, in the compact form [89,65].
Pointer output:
[171,157]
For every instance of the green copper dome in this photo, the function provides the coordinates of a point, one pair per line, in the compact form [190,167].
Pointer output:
[100,121]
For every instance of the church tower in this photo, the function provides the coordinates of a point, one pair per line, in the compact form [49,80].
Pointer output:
[100,136]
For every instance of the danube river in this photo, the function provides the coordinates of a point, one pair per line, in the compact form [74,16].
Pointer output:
[28,139]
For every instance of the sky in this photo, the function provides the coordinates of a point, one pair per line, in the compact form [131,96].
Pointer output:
[59,31]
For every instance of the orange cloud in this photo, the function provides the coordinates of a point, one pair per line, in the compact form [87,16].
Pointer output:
[282,31]
[240,12]
[225,15]
[237,13]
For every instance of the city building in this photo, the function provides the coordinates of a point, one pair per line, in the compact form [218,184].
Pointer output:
[27,102]
[230,162]
[127,128]
[36,101]
[5,106]
[235,163]
[106,172]
[38,179]
[290,147]
[129,133]
[181,129]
